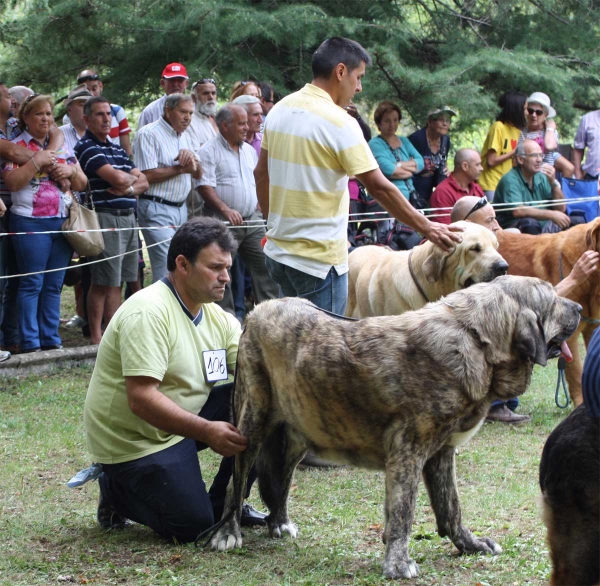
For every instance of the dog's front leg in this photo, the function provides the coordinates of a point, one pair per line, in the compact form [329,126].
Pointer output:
[402,476]
[440,480]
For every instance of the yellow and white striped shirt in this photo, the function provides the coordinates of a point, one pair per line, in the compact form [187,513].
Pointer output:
[313,146]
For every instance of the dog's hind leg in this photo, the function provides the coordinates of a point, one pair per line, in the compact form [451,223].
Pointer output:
[440,480]
[281,453]
[252,420]
[402,475]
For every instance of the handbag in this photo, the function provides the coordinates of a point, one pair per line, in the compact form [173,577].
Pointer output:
[578,189]
[77,227]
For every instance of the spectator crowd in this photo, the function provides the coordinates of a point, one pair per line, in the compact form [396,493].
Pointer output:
[192,158]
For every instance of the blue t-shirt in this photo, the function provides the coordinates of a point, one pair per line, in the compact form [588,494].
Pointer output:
[93,154]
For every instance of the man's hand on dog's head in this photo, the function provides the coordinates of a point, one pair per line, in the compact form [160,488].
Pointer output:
[225,439]
[444,236]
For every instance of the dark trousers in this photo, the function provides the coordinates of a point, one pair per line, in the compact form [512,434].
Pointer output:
[165,491]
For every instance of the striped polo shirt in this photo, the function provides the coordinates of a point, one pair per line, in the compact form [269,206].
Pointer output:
[157,145]
[313,145]
[93,154]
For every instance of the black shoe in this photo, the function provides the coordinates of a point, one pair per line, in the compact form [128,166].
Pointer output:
[108,518]
[55,347]
[251,517]
[30,351]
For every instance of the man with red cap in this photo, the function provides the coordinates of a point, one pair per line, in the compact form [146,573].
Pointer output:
[174,80]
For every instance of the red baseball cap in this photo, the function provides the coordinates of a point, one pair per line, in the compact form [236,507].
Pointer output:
[174,70]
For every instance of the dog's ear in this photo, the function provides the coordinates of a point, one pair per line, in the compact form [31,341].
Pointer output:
[529,339]
[434,263]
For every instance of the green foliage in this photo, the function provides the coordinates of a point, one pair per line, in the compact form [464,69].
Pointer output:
[426,52]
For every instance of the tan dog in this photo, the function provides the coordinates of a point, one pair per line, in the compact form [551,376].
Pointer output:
[380,280]
[397,393]
[543,256]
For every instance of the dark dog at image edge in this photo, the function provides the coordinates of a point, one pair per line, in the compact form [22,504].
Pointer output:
[397,393]
[570,483]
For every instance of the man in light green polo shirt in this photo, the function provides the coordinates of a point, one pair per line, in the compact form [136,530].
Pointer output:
[529,182]
[152,402]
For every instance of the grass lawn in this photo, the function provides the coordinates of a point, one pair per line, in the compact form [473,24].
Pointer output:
[49,533]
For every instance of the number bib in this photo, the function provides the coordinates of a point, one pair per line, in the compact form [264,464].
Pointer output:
[215,365]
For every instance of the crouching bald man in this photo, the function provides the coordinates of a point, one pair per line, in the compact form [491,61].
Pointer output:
[152,403]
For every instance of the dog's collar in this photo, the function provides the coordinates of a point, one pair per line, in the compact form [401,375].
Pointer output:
[414,277]
[588,320]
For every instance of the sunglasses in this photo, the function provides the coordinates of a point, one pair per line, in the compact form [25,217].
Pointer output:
[482,202]
[202,81]
[532,111]
[94,77]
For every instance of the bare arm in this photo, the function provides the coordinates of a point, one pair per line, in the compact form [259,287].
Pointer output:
[585,267]
[577,159]
[404,169]
[138,186]
[56,138]
[550,142]
[148,403]
[188,163]
[14,152]
[16,179]
[261,176]
[209,195]
[388,195]
[119,180]
[493,158]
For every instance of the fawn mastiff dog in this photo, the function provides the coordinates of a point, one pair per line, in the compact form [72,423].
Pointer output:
[397,393]
[551,257]
[384,282]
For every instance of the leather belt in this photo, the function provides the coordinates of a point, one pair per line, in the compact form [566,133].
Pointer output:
[162,200]
[115,211]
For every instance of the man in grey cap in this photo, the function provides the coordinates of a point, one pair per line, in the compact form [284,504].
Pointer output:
[75,128]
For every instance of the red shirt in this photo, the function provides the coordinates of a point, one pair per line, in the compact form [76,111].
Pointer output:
[447,193]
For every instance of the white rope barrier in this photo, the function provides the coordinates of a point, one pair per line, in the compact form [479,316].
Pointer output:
[353,219]
[92,262]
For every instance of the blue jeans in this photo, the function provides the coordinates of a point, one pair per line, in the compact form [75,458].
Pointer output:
[38,299]
[330,293]
[9,325]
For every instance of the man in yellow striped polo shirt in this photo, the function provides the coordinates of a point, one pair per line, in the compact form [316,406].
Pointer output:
[310,147]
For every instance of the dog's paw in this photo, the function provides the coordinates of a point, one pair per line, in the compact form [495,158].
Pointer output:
[397,569]
[481,545]
[224,541]
[279,529]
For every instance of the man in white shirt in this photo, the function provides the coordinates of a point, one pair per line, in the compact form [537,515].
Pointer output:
[76,127]
[164,152]
[202,128]
[229,192]
[174,80]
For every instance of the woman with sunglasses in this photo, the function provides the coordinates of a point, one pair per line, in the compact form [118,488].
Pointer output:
[40,204]
[244,88]
[501,141]
[541,128]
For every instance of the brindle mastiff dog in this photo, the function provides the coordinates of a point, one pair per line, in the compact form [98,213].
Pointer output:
[398,393]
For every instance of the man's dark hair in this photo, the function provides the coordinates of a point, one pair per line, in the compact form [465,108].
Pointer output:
[196,234]
[337,50]
[513,109]
[266,90]
[87,107]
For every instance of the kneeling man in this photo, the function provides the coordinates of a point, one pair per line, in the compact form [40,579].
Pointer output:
[152,404]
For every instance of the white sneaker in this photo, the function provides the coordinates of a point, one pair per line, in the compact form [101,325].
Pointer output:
[4,355]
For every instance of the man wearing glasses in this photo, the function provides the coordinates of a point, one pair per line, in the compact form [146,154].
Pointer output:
[525,185]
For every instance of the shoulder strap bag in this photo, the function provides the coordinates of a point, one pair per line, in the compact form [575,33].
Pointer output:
[77,226]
